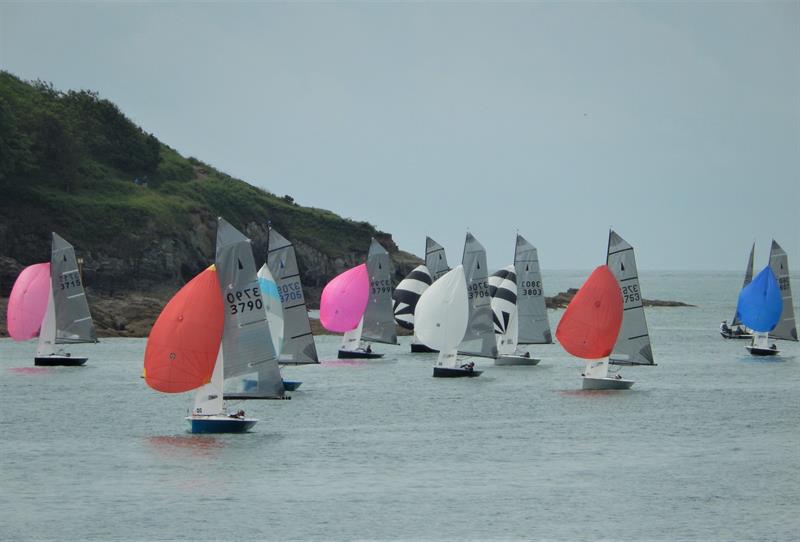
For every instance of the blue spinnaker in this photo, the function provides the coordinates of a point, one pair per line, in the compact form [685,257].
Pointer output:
[760,302]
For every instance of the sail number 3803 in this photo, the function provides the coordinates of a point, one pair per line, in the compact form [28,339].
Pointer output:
[246,300]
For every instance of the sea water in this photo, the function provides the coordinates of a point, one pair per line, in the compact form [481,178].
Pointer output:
[706,446]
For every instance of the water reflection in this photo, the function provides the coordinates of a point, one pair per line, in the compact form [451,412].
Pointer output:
[202,446]
[29,370]
[344,362]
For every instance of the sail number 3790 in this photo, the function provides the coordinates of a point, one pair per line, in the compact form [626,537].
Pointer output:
[246,300]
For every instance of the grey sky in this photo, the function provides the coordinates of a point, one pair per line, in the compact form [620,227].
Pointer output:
[677,123]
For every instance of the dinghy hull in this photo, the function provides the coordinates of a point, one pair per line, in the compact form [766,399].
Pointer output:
[220,424]
[759,351]
[606,383]
[55,361]
[516,360]
[291,385]
[358,354]
[419,348]
[452,372]
[734,335]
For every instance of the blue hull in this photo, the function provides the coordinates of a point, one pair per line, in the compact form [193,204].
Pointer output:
[291,385]
[231,425]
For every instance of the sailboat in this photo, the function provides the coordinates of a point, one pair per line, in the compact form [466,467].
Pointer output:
[358,303]
[503,289]
[590,326]
[726,331]
[247,344]
[534,326]
[633,343]
[298,342]
[479,338]
[406,296]
[759,308]
[441,320]
[184,353]
[786,329]
[436,266]
[49,299]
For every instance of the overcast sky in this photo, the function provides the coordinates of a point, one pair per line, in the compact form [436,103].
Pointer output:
[676,123]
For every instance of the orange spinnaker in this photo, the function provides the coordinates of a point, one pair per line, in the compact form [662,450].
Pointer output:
[183,344]
[591,323]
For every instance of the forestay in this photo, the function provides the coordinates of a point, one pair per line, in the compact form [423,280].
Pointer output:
[479,338]
[748,276]
[779,262]
[246,341]
[73,322]
[407,294]
[503,289]
[534,325]
[379,323]
[298,342]
[633,344]
[435,259]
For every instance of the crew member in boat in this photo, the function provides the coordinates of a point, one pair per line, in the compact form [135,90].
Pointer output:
[468,366]
[723,327]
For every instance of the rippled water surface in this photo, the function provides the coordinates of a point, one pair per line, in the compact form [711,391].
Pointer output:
[705,446]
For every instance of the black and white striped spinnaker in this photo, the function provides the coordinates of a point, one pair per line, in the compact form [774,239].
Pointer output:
[407,294]
[503,289]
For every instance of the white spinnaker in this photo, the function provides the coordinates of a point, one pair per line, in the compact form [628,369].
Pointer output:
[272,304]
[503,289]
[633,341]
[442,313]
[779,263]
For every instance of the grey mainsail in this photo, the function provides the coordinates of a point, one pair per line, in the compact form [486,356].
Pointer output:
[298,341]
[534,326]
[748,276]
[379,323]
[246,340]
[479,339]
[407,294]
[633,343]
[779,262]
[73,321]
[435,258]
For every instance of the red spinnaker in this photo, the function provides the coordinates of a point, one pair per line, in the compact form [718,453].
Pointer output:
[591,323]
[183,344]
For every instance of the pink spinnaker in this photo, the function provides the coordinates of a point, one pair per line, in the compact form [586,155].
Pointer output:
[344,300]
[28,301]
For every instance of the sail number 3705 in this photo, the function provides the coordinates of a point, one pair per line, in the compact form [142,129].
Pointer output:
[246,300]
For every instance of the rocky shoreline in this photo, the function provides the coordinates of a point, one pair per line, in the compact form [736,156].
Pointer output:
[133,314]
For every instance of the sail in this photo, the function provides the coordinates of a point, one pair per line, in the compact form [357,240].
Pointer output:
[633,344]
[779,262]
[589,327]
[442,312]
[182,347]
[298,342]
[748,276]
[73,320]
[435,259]
[208,399]
[534,326]
[28,301]
[344,300]
[272,304]
[503,289]
[246,341]
[379,323]
[479,339]
[760,302]
[407,293]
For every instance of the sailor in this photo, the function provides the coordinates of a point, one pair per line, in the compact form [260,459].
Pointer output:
[369,349]
[723,327]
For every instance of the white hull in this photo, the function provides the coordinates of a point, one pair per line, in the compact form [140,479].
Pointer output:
[502,360]
[607,383]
